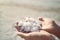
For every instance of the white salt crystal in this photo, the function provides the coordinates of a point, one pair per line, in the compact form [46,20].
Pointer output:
[30,24]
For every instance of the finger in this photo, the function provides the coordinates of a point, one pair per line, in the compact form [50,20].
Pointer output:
[16,24]
[41,19]
[41,24]
[23,35]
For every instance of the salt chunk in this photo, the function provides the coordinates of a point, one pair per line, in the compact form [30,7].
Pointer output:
[29,25]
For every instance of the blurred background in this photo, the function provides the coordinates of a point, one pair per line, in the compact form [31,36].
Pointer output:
[13,10]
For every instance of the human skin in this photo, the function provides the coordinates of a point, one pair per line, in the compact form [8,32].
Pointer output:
[17,26]
[50,26]
[42,35]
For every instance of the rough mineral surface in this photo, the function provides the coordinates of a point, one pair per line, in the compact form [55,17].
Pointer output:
[29,25]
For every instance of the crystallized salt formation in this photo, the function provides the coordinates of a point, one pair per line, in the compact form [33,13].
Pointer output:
[29,25]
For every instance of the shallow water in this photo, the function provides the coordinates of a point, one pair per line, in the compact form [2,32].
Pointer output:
[10,13]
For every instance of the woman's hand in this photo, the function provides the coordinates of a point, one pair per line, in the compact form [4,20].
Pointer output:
[50,26]
[42,35]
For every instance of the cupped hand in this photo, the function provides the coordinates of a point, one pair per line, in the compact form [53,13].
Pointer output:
[50,26]
[42,35]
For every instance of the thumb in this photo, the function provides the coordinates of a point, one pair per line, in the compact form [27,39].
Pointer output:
[41,21]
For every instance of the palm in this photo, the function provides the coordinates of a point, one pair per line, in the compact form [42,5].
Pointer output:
[48,24]
[42,35]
